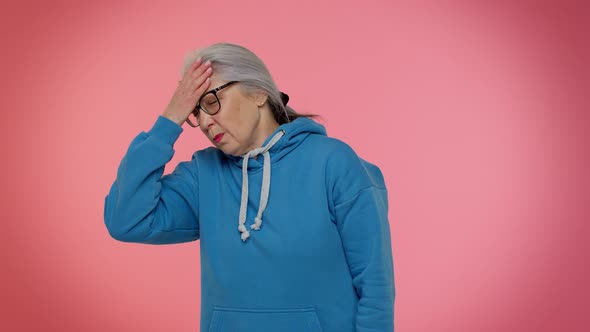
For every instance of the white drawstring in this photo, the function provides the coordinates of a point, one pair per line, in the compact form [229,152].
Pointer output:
[264,190]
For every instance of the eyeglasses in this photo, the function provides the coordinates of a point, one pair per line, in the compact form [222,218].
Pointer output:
[208,103]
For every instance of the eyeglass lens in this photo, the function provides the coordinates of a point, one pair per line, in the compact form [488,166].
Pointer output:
[210,104]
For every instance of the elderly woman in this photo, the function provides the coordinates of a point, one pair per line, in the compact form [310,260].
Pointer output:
[293,225]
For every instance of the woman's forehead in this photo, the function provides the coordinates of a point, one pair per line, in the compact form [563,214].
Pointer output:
[216,83]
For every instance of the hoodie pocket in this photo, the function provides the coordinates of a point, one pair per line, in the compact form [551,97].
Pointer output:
[226,319]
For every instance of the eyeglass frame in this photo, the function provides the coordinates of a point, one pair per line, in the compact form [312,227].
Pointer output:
[195,112]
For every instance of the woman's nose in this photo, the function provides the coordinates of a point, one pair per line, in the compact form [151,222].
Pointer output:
[205,120]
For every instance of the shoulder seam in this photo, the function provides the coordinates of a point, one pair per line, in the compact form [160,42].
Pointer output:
[358,193]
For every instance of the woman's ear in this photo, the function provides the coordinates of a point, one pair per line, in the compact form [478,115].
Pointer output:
[260,98]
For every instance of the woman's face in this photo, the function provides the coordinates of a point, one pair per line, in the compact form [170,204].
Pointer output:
[235,129]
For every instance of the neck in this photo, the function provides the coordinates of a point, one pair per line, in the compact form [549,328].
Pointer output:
[267,126]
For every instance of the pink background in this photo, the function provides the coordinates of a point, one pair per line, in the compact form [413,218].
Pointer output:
[477,115]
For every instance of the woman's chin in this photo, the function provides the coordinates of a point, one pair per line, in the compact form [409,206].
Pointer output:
[227,151]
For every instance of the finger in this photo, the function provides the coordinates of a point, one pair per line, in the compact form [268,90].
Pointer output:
[195,64]
[190,69]
[202,88]
[201,78]
[201,69]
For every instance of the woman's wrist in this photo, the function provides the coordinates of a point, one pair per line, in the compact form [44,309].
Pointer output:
[173,119]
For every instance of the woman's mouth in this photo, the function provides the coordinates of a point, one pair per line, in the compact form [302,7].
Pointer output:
[218,137]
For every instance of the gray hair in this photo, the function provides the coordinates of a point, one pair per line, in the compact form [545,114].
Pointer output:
[233,62]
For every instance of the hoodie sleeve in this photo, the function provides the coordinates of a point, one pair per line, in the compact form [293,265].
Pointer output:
[145,207]
[360,206]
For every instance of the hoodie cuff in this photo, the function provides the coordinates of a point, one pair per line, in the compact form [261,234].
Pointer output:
[166,130]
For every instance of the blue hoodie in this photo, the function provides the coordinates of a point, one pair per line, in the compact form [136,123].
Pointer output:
[299,244]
